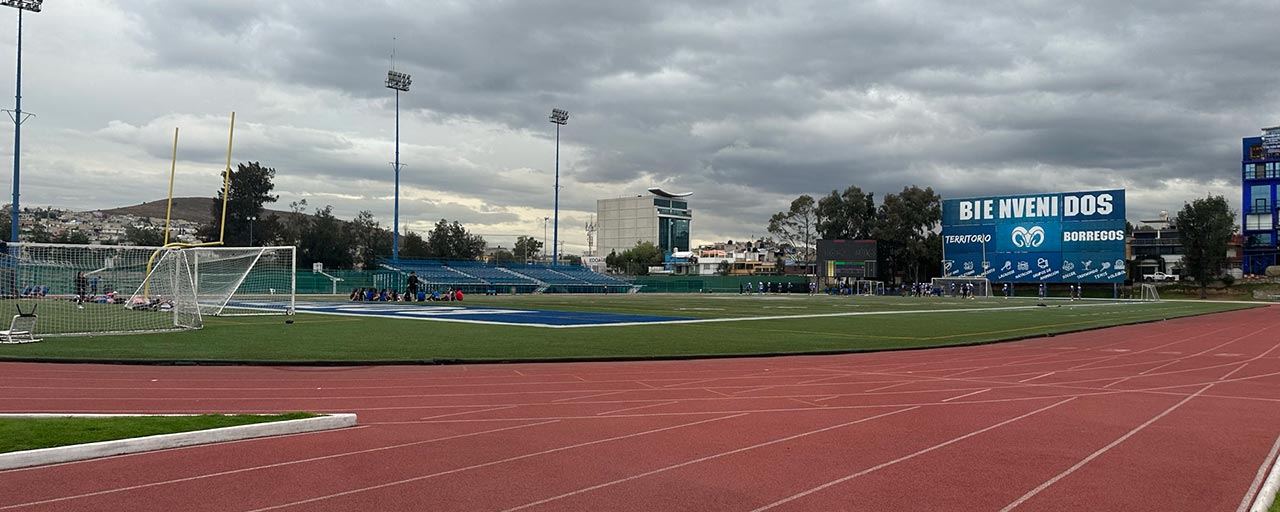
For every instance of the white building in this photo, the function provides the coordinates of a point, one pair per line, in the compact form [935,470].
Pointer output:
[661,218]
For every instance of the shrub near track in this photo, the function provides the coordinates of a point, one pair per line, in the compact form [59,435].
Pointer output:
[335,339]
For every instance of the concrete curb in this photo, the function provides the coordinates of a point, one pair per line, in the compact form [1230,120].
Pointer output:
[85,451]
[1267,494]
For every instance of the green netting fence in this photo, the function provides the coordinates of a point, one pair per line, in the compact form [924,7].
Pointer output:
[709,284]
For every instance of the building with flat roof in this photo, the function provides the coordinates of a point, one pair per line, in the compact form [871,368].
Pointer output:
[1260,163]
[661,218]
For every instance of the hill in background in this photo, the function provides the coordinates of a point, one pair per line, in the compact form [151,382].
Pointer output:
[194,209]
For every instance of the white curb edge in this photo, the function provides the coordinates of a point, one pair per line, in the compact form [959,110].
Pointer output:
[1267,494]
[43,456]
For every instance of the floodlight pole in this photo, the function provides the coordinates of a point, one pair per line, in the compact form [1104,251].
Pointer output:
[400,83]
[395,232]
[18,118]
[559,118]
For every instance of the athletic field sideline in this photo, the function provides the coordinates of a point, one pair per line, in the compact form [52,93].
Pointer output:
[691,326]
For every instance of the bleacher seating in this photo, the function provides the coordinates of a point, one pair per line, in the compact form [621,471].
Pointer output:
[585,274]
[549,276]
[495,275]
[432,272]
[521,278]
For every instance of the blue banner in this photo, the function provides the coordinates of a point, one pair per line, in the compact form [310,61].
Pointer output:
[1068,237]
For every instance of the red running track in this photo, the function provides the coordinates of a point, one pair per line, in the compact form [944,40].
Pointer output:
[1177,415]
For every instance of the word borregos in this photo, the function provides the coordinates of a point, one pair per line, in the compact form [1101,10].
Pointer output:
[1084,205]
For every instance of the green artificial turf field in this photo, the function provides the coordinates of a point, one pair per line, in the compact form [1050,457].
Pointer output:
[17,434]
[784,328]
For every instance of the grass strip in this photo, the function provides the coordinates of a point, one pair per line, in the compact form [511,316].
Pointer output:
[19,434]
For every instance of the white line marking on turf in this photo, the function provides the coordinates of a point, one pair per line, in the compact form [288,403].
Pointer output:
[966,394]
[268,466]
[704,459]
[1030,494]
[906,457]
[490,463]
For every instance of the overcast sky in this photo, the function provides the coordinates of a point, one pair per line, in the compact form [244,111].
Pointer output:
[747,104]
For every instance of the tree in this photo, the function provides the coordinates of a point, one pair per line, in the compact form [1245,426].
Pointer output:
[636,260]
[723,268]
[322,241]
[847,215]
[144,236]
[367,240]
[527,249]
[71,236]
[251,188]
[453,242]
[904,222]
[290,232]
[504,256]
[572,260]
[795,227]
[412,246]
[1205,226]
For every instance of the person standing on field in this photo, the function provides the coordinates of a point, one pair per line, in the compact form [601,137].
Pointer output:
[411,288]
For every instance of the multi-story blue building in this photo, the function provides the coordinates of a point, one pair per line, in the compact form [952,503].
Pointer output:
[1260,162]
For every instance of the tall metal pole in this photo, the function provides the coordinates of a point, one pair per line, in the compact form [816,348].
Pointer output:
[555,237]
[17,138]
[395,233]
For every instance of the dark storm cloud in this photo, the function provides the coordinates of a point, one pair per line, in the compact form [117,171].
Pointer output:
[769,100]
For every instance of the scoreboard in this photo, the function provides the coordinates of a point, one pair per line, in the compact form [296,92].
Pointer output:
[853,259]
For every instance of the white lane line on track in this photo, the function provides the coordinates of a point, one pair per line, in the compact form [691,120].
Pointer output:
[470,412]
[1030,494]
[704,459]
[907,457]
[1170,363]
[592,396]
[966,394]
[487,464]
[1233,372]
[268,466]
[659,404]
[1041,376]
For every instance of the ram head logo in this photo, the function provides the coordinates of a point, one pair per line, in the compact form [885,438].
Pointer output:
[1028,238]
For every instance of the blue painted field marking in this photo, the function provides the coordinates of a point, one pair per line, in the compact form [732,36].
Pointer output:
[467,314]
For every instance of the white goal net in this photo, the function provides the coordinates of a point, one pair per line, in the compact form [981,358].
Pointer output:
[963,286]
[240,281]
[867,287]
[105,289]
[85,289]
[1146,292]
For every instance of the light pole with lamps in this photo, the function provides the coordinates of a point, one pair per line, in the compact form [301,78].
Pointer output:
[400,82]
[16,113]
[252,218]
[559,117]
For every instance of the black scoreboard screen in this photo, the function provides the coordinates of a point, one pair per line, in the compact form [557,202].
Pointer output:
[848,258]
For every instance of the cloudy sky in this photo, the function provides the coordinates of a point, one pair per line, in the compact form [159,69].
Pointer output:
[746,103]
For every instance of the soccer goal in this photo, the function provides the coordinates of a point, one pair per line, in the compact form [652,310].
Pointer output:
[867,287]
[1146,292]
[244,281]
[88,289]
[955,286]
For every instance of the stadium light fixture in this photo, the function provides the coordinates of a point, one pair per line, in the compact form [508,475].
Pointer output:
[400,83]
[16,113]
[559,117]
